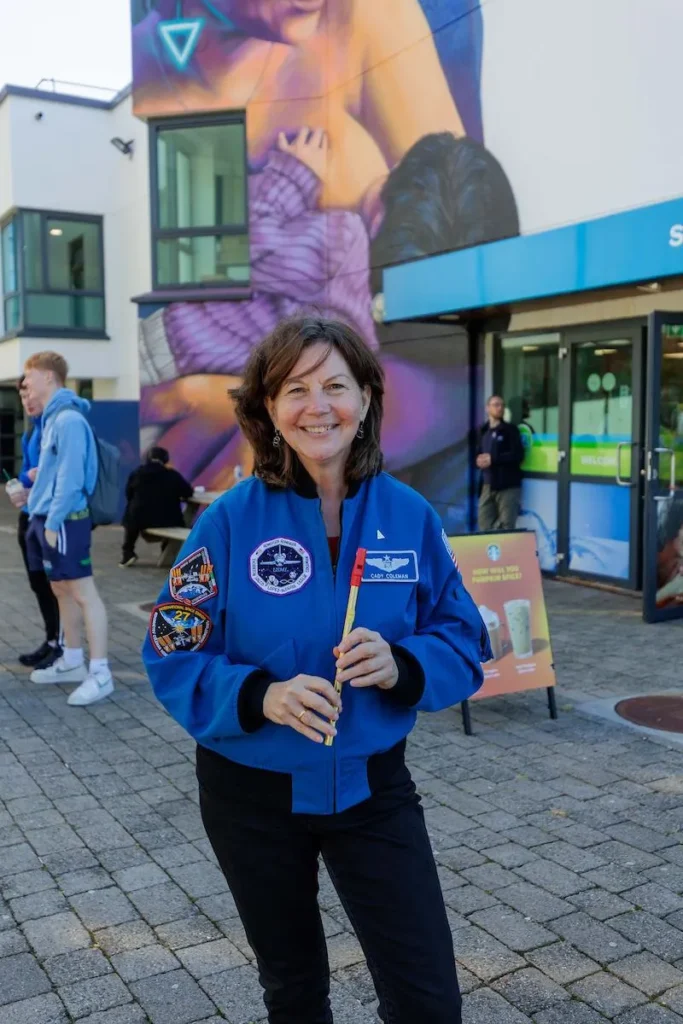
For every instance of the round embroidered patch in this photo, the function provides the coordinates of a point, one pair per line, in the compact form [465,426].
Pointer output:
[280,566]
[178,627]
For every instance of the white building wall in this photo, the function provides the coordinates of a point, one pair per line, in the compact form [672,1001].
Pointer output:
[64,161]
[582,104]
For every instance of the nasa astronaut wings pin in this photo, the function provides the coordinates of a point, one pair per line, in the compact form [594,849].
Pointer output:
[280,566]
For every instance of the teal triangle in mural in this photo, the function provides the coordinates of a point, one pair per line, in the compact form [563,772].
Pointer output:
[180,37]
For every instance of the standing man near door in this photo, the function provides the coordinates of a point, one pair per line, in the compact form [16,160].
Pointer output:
[499,457]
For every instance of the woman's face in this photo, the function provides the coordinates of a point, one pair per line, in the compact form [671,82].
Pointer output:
[284,21]
[318,412]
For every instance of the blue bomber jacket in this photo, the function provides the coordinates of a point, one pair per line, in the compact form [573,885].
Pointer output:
[254,598]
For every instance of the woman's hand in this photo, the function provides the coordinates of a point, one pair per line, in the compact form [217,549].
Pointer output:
[300,703]
[364,658]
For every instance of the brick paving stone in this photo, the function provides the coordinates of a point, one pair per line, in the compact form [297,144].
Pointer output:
[656,899]
[489,877]
[575,858]
[648,973]
[83,881]
[94,995]
[68,968]
[27,883]
[607,994]
[600,904]
[210,958]
[129,1013]
[21,978]
[553,877]
[143,963]
[487,1007]
[649,1014]
[469,898]
[189,931]
[198,879]
[12,941]
[641,838]
[530,990]
[673,998]
[122,937]
[562,962]
[614,878]
[570,1013]
[142,876]
[512,929]
[162,903]
[39,904]
[61,933]
[237,994]
[484,956]
[459,857]
[103,908]
[17,859]
[529,900]
[614,852]
[669,875]
[654,934]
[46,1009]
[173,998]
[509,855]
[593,938]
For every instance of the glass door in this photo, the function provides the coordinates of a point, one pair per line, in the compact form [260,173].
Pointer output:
[663,535]
[600,454]
[527,377]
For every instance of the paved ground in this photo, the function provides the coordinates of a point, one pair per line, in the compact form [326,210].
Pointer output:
[559,843]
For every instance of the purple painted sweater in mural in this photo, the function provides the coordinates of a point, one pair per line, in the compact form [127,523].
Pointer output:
[301,258]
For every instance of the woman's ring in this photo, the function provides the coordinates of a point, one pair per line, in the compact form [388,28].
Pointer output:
[301,716]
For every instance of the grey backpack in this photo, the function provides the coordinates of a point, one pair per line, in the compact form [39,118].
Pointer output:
[103,501]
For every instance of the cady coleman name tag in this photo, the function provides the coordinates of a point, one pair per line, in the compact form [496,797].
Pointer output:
[391,567]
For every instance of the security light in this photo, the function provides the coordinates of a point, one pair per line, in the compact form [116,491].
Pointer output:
[123,147]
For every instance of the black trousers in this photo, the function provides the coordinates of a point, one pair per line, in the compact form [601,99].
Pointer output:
[40,585]
[380,861]
[130,539]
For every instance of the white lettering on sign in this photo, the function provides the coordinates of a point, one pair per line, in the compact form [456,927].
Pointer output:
[676,236]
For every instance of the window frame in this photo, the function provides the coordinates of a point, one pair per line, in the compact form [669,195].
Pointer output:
[26,328]
[194,288]
[12,220]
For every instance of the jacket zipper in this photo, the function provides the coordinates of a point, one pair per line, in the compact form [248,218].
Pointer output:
[337,637]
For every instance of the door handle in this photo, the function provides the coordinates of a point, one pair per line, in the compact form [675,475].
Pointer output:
[620,480]
[672,473]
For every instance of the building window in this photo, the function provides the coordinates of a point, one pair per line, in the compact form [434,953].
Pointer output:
[58,285]
[10,279]
[199,207]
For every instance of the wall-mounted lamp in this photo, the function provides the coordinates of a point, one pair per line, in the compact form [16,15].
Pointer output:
[56,232]
[123,147]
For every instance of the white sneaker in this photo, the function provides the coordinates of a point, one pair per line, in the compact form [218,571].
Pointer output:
[60,672]
[96,686]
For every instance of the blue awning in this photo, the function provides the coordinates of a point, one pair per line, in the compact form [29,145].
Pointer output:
[644,244]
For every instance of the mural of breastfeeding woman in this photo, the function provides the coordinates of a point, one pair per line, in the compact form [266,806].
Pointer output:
[337,92]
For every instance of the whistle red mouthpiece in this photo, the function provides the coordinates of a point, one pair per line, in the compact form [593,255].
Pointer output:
[358,567]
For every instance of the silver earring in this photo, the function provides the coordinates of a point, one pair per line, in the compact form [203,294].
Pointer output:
[277,438]
[361,430]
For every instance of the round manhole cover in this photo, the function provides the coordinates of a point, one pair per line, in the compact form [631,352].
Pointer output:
[664,713]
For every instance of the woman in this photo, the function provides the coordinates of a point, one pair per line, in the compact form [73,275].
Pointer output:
[246,666]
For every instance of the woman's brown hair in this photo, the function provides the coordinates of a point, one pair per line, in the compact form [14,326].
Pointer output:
[267,370]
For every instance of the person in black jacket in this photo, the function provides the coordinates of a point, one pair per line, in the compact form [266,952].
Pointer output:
[153,495]
[499,457]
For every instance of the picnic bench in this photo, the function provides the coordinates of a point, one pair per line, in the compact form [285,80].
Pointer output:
[175,536]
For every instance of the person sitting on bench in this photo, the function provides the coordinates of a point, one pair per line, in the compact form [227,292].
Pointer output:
[153,495]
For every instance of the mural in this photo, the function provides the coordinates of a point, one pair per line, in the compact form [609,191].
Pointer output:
[365,147]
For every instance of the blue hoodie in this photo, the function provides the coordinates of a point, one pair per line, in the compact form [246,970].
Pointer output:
[67,468]
[30,451]
[253,591]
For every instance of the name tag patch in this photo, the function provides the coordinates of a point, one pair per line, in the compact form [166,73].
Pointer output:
[193,580]
[391,567]
[280,566]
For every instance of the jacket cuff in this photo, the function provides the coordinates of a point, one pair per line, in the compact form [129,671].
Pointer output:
[410,687]
[250,700]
